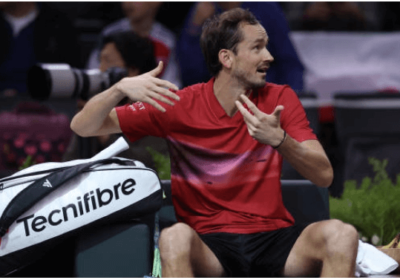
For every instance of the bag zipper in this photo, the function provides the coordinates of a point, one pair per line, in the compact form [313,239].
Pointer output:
[44,172]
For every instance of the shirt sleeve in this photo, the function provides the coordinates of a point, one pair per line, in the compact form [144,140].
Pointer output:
[293,117]
[140,119]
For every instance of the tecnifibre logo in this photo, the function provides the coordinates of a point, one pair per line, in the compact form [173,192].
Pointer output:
[91,201]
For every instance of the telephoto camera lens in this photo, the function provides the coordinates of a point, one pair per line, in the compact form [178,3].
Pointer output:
[46,81]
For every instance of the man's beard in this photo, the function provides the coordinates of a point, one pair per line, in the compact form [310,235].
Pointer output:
[245,80]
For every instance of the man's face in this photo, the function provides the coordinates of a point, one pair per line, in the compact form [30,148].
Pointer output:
[252,60]
[111,57]
[136,11]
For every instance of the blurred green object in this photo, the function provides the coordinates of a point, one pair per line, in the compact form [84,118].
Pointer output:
[162,163]
[28,162]
[373,207]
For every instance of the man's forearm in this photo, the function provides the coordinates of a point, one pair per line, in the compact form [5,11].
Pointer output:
[309,159]
[89,121]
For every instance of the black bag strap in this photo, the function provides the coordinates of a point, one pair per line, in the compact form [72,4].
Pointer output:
[43,186]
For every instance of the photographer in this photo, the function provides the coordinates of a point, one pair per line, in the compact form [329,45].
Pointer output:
[140,17]
[135,54]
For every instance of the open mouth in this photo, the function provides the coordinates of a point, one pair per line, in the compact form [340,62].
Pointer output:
[262,70]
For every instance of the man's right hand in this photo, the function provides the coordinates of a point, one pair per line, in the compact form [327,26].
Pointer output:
[147,87]
[99,116]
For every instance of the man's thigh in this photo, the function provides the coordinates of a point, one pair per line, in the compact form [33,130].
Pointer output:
[305,258]
[262,254]
[327,248]
[179,241]
[269,251]
[205,262]
[227,248]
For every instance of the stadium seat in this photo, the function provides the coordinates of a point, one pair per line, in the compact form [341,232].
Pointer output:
[305,201]
[367,126]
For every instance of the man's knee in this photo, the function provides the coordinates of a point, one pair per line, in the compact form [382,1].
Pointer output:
[340,236]
[175,241]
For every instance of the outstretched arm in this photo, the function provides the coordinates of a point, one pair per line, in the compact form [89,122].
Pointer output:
[99,117]
[307,157]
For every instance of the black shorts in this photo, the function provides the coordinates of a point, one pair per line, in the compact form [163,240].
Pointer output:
[260,254]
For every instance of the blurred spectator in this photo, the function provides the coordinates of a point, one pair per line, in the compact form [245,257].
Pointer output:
[106,12]
[140,18]
[32,32]
[173,14]
[333,16]
[135,54]
[286,68]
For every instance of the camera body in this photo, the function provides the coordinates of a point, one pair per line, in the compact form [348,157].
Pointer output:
[46,81]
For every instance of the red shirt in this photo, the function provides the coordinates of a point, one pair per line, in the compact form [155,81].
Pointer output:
[222,179]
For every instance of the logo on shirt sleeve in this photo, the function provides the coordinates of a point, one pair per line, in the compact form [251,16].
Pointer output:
[132,107]
[137,106]
[140,105]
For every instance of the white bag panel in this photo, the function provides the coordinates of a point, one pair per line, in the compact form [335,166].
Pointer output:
[88,191]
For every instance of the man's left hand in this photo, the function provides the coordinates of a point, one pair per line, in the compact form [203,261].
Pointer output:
[262,127]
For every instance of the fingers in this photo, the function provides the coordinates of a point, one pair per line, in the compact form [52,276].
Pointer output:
[256,111]
[248,119]
[155,93]
[260,116]
[156,71]
[246,114]
[251,106]
[154,103]
[158,93]
[277,111]
[148,89]
[167,85]
[163,83]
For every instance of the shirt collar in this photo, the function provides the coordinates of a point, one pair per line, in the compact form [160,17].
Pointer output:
[214,104]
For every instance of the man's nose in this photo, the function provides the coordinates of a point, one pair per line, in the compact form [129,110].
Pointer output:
[267,56]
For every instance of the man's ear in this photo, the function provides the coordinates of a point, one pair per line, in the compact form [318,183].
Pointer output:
[225,57]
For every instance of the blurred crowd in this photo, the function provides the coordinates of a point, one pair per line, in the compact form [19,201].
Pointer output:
[72,33]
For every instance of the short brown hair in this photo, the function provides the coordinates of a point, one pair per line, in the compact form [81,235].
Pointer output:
[222,32]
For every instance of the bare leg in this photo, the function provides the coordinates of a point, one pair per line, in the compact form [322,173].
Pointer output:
[326,249]
[184,254]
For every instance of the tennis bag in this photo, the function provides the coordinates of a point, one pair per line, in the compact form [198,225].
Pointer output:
[44,204]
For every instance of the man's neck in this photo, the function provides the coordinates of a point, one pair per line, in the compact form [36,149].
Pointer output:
[20,9]
[227,90]
[143,27]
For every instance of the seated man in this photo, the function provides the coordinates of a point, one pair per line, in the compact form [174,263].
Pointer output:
[227,139]
[135,54]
